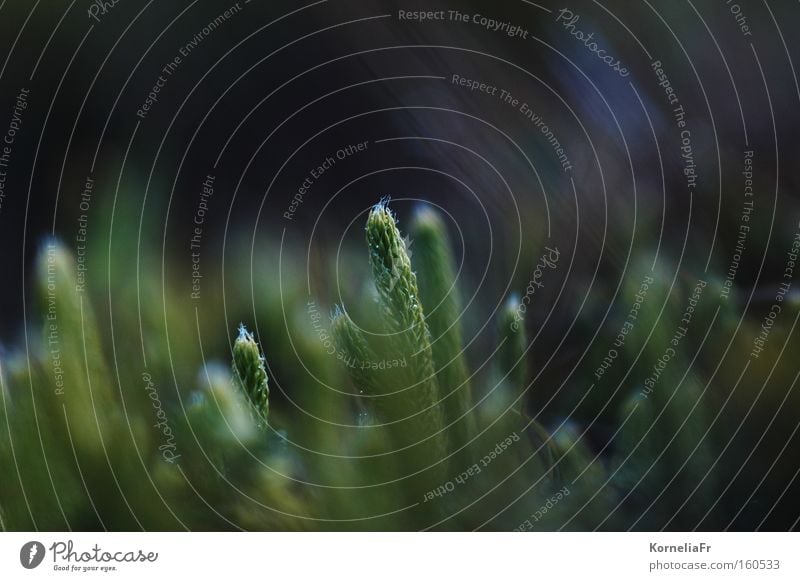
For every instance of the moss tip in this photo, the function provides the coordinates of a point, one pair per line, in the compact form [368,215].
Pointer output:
[381,213]
[512,302]
[245,336]
[425,217]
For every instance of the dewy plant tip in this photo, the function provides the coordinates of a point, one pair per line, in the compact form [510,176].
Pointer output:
[249,372]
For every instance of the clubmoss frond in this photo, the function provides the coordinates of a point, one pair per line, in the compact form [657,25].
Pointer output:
[249,372]
[397,288]
[435,264]
[511,355]
[404,318]
[77,354]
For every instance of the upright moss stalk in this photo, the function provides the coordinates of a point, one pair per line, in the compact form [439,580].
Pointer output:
[404,320]
[435,265]
[249,373]
[514,340]
[76,352]
[513,366]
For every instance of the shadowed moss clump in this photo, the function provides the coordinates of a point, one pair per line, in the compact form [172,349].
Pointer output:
[376,422]
[195,435]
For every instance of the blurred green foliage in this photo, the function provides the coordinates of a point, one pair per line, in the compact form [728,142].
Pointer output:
[376,425]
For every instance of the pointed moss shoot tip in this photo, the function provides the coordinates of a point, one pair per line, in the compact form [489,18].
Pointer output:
[397,288]
[391,266]
[250,373]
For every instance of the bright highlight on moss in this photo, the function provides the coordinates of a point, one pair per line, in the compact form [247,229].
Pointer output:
[249,372]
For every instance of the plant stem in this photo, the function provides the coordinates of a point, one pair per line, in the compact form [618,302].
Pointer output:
[433,258]
[404,320]
[511,356]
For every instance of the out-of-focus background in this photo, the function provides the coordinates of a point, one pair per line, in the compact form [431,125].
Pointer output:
[189,166]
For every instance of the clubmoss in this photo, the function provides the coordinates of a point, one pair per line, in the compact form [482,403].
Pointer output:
[433,258]
[249,373]
[513,344]
[404,321]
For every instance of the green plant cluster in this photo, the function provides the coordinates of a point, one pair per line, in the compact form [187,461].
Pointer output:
[386,428]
